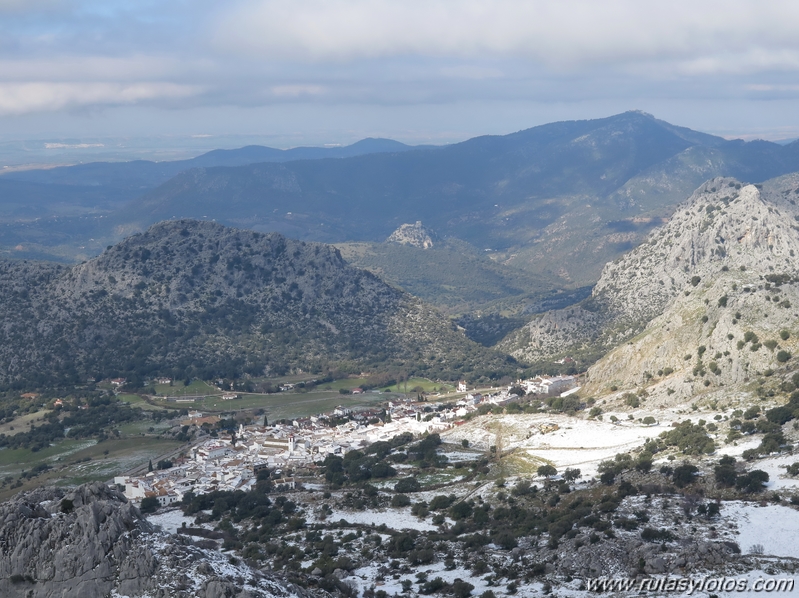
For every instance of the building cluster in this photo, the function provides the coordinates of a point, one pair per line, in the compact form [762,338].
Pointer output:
[550,386]
[232,462]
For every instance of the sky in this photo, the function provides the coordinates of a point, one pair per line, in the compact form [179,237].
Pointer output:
[293,72]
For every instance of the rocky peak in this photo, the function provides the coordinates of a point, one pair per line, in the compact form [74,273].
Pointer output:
[714,259]
[415,235]
[90,542]
[719,289]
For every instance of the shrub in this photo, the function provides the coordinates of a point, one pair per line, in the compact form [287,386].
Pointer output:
[649,534]
[441,502]
[67,506]
[407,485]
[149,504]
[400,500]
[725,471]
[785,335]
[684,474]
[506,540]
[783,356]
[462,589]
[631,400]
[752,481]
[546,471]
[780,415]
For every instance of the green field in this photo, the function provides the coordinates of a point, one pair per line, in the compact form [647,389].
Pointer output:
[21,423]
[137,401]
[80,461]
[178,389]
[425,384]
[285,404]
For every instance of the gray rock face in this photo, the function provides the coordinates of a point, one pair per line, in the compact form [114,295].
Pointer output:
[412,234]
[726,263]
[90,542]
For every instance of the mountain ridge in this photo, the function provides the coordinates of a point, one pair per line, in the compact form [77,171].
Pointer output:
[190,298]
[722,268]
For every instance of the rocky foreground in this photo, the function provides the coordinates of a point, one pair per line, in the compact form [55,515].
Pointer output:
[90,542]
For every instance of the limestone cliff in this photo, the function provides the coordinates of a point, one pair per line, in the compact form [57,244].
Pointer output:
[91,543]
[415,235]
[709,299]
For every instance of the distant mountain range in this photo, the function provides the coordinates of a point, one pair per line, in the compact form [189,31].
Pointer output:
[72,190]
[557,201]
[198,299]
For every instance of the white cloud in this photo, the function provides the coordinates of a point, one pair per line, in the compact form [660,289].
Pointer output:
[296,91]
[22,98]
[563,34]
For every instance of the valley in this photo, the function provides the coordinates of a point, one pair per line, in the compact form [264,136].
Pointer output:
[426,408]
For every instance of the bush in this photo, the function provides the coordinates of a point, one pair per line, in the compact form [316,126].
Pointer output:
[783,356]
[780,415]
[631,400]
[725,471]
[690,438]
[506,540]
[462,589]
[441,502]
[649,534]
[149,505]
[546,471]
[752,481]
[407,485]
[684,474]
[434,585]
[400,500]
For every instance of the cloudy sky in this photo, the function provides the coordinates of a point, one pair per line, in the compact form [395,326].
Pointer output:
[332,71]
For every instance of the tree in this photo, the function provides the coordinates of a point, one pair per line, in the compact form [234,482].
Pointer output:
[547,471]
[150,466]
[684,474]
[462,589]
[752,481]
[725,471]
[407,485]
[149,505]
[570,475]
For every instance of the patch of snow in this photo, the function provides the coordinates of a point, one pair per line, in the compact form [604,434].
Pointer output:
[774,527]
[394,518]
[171,520]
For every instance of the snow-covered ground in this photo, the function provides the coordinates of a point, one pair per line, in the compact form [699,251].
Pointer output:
[363,579]
[580,443]
[774,527]
[394,518]
[778,476]
[170,521]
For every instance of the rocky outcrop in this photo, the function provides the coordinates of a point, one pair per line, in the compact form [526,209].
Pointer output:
[91,543]
[415,235]
[226,301]
[681,304]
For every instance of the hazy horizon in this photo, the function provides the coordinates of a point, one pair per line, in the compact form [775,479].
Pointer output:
[189,76]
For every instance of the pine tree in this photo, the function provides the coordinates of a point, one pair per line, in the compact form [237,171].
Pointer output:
[150,466]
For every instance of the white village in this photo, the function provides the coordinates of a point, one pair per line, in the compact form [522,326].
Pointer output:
[287,450]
